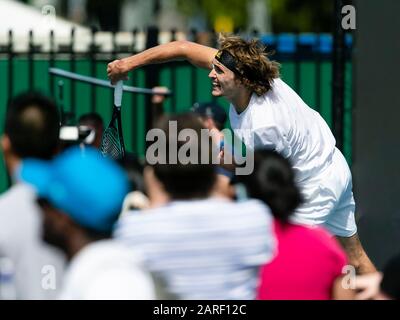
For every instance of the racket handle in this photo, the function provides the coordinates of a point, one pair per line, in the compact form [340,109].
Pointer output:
[118,93]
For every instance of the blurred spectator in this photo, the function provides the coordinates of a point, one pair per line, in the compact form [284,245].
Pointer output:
[133,167]
[223,186]
[157,103]
[213,117]
[310,261]
[31,130]
[81,194]
[94,122]
[212,114]
[200,246]
[136,199]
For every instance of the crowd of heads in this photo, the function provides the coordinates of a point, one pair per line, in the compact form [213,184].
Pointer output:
[81,192]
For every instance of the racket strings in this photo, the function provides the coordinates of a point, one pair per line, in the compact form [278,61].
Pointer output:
[110,144]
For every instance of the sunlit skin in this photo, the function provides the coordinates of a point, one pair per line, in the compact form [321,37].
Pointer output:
[223,80]
[225,83]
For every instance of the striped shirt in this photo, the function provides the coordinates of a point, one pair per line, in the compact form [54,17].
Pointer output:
[203,249]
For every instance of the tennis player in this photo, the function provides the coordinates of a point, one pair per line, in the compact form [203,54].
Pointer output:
[266,113]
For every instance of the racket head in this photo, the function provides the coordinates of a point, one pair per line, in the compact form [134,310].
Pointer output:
[112,144]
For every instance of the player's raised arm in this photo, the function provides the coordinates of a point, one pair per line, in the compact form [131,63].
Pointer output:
[198,55]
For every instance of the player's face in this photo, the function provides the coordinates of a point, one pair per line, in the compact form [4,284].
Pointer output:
[224,82]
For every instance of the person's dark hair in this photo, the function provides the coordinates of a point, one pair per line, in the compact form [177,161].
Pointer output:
[272,182]
[32,125]
[134,167]
[390,283]
[186,181]
[93,119]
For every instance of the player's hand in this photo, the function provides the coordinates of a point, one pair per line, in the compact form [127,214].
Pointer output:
[117,70]
[158,96]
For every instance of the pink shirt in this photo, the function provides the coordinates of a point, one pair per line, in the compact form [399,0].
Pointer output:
[307,263]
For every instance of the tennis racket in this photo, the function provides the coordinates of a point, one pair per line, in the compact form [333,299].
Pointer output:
[112,144]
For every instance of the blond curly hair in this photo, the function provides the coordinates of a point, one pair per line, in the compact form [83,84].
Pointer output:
[258,72]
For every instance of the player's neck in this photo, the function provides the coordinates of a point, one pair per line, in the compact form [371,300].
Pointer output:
[241,100]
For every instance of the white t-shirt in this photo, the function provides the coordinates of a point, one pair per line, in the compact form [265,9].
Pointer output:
[203,249]
[107,270]
[280,120]
[34,261]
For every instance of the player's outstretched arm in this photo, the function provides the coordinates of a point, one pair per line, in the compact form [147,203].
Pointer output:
[198,55]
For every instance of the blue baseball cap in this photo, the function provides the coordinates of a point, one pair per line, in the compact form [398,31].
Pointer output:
[81,183]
